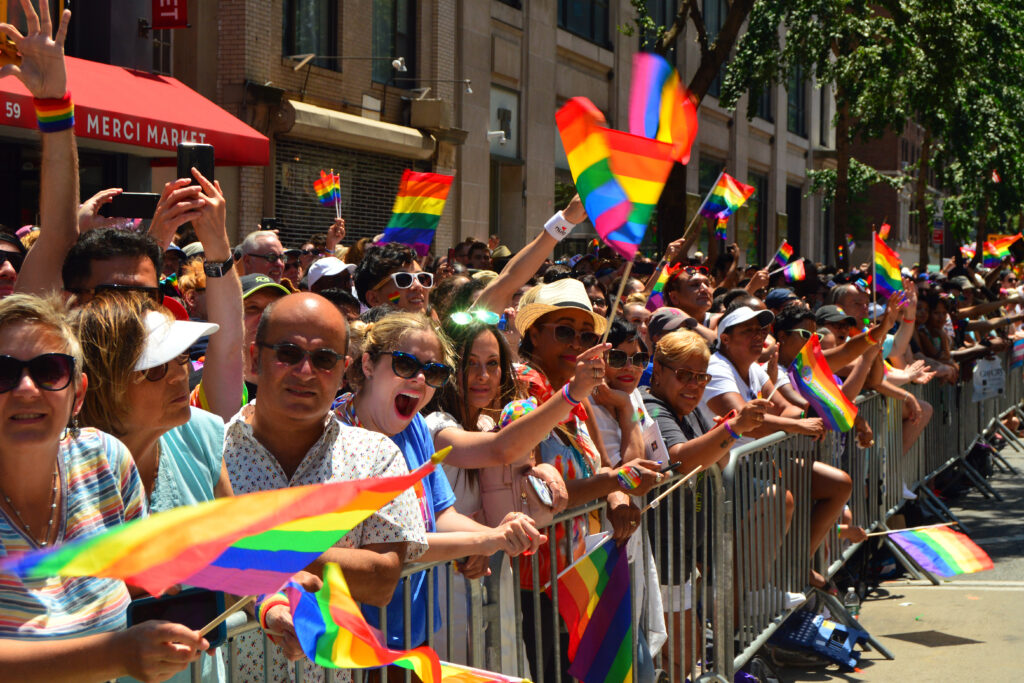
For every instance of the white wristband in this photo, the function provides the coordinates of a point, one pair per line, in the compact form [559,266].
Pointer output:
[558,227]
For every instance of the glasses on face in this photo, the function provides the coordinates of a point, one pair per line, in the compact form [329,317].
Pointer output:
[160,371]
[15,258]
[269,258]
[293,354]
[805,334]
[696,270]
[466,317]
[685,376]
[153,293]
[312,252]
[564,334]
[407,366]
[49,371]
[599,302]
[618,359]
[404,279]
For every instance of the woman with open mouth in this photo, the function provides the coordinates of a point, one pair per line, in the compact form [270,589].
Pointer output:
[404,360]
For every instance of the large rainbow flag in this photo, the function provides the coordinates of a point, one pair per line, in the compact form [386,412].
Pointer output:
[333,633]
[725,197]
[811,376]
[594,600]
[417,210]
[244,545]
[997,249]
[943,551]
[887,269]
[641,167]
[660,107]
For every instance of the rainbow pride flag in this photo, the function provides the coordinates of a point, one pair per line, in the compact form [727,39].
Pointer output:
[641,167]
[594,600]
[328,187]
[784,253]
[725,197]
[795,271]
[417,210]
[581,126]
[245,545]
[811,376]
[657,298]
[883,230]
[997,249]
[887,277]
[943,551]
[660,107]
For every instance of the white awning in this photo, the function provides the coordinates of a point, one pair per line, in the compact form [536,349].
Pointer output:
[327,126]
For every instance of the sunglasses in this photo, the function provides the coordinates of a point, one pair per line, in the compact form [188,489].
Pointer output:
[596,302]
[153,293]
[49,371]
[269,258]
[312,252]
[618,359]
[287,353]
[689,376]
[466,317]
[16,258]
[699,270]
[805,334]
[567,335]
[160,371]
[404,279]
[407,366]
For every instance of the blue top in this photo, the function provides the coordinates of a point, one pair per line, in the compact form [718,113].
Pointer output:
[434,495]
[190,462]
[645,379]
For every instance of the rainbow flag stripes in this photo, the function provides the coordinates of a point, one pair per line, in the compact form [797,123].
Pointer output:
[795,271]
[55,115]
[943,551]
[660,107]
[657,298]
[328,187]
[720,229]
[887,269]
[417,210]
[725,197]
[811,376]
[784,254]
[641,167]
[246,545]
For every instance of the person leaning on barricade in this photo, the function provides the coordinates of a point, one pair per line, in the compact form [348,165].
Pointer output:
[289,437]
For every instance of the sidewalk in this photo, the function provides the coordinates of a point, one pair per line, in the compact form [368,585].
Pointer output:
[971,628]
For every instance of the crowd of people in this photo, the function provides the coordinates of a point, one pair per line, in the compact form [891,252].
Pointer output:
[150,369]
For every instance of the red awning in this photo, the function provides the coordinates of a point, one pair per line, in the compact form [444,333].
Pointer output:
[125,107]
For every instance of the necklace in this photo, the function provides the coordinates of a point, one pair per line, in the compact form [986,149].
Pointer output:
[53,512]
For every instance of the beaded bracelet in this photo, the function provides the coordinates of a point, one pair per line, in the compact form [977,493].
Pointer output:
[54,115]
[568,399]
[265,606]
[729,429]
[871,338]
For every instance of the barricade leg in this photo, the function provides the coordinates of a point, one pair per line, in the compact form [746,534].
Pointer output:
[938,508]
[840,614]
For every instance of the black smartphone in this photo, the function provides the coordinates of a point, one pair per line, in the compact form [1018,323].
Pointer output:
[195,154]
[131,205]
[267,223]
[451,255]
[192,607]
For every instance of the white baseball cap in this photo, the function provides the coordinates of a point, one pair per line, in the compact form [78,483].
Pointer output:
[167,338]
[328,267]
[742,315]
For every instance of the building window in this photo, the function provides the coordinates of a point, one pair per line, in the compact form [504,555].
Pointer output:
[825,122]
[163,56]
[586,18]
[715,12]
[763,104]
[311,26]
[394,35]
[755,246]
[796,110]
[663,14]
[512,3]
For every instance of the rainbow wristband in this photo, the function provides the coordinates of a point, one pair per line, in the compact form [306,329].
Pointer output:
[55,115]
[628,478]
[265,606]
[568,399]
[728,428]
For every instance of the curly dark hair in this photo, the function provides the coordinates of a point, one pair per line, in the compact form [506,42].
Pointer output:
[378,262]
[105,244]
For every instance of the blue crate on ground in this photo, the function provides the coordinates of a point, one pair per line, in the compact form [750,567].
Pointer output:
[830,639]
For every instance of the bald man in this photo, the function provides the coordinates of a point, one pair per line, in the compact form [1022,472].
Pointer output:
[289,437]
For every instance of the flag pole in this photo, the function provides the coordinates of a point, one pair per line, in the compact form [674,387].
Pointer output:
[702,204]
[337,209]
[242,602]
[779,270]
[670,489]
[615,302]
[874,268]
[913,528]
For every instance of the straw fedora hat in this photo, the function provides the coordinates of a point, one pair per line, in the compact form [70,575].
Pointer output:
[561,294]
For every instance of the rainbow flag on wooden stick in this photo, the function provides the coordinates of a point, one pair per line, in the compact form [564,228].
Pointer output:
[660,107]
[887,278]
[785,253]
[727,195]
[641,167]
[417,210]
[943,551]
[657,298]
[811,376]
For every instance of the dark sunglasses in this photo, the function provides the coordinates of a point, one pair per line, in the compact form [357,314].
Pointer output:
[598,301]
[407,366]
[49,371]
[618,359]
[567,335]
[292,354]
[155,374]
[269,258]
[687,376]
[466,317]
[154,293]
[699,270]
[15,258]
[404,279]
[312,252]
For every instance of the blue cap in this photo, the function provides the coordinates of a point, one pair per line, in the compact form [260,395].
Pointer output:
[778,297]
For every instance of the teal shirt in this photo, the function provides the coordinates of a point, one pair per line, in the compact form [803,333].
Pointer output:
[190,462]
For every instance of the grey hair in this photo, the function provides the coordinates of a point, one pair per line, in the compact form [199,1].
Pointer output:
[251,243]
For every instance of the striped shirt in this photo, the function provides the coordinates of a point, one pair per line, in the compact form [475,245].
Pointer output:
[101,489]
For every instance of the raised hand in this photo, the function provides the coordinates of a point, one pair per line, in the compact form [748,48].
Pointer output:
[179,203]
[42,56]
[575,213]
[335,234]
[89,217]
[589,372]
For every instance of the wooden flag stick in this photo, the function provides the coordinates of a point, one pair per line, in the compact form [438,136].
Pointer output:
[670,489]
[915,528]
[771,394]
[615,302]
[779,270]
[243,602]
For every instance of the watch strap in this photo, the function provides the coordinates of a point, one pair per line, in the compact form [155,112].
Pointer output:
[219,269]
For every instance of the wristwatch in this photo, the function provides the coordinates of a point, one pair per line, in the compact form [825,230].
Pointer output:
[219,269]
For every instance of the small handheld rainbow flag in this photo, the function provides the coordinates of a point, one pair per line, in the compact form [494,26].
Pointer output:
[850,244]
[720,229]
[942,551]
[660,107]
[883,230]
[811,376]
[887,278]
[727,195]
[417,210]
[328,190]
[784,254]
[794,272]
[657,298]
